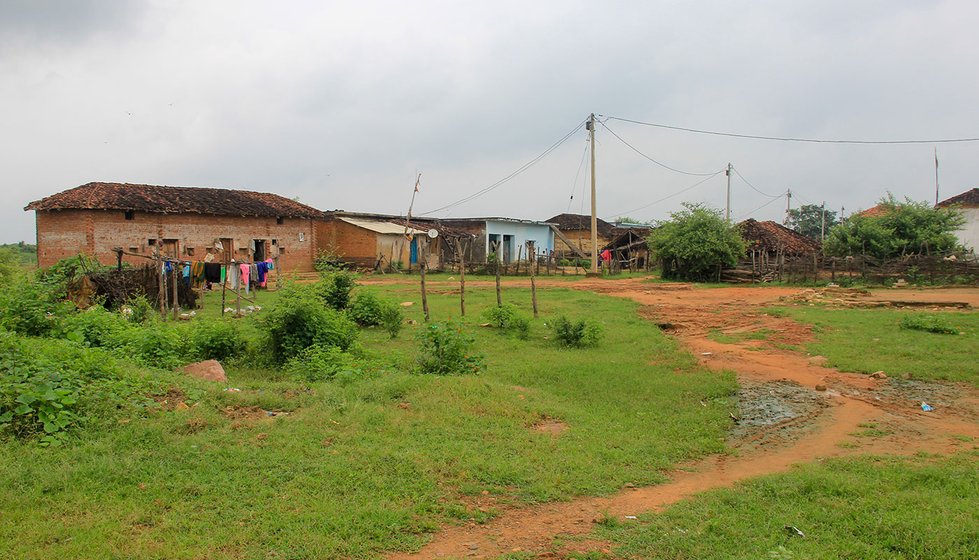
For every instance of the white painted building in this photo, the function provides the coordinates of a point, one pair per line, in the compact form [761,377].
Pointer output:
[968,204]
[511,234]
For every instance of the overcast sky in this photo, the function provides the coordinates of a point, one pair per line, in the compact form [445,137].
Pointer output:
[340,103]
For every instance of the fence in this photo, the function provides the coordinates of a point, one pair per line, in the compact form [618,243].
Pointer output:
[951,268]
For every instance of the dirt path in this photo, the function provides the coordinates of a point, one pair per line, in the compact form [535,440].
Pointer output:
[808,412]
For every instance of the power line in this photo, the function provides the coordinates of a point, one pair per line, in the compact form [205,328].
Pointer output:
[793,139]
[754,188]
[760,207]
[574,185]
[519,170]
[685,189]
[661,164]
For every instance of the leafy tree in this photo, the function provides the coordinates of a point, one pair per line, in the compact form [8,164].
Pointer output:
[901,228]
[808,220]
[630,220]
[695,243]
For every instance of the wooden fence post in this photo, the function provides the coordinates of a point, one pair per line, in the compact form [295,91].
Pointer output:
[422,266]
[533,278]
[462,276]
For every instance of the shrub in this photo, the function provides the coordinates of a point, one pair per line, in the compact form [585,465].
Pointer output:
[696,243]
[928,323]
[578,334]
[138,309]
[95,326]
[369,310]
[31,307]
[216,339]
[508,319]
[446,350]
[321,363]
[154,345]
[335,289]
[299,320]
[48,387]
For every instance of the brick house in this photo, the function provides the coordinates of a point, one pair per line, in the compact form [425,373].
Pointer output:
[185,223]
[967,204]
[376,241]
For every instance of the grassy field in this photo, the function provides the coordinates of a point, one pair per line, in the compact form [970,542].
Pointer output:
[868,340]
[868,508]
[365,464]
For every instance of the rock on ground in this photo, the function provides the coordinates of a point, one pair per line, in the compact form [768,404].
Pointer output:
[208,370]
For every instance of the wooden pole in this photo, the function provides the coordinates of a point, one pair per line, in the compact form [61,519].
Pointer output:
[224,288]
[519,256]
[175,275]
[422,265]
[163,289]
[238,291]
[462,277]
[533,277]
[499,292]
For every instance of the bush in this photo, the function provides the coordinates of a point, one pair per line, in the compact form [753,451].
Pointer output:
[696,243]
[138,309]
[49,387]
[154,345]
[322,363]
[578,334]
[928,323]
[31,307]
[900,228]
[216,339]
[300,320]
[368,310]
[335,289]
[95,327]
[446,350]
[508,319]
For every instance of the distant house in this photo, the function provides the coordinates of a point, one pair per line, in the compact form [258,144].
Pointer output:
[575,234]
[968,204]
[376,241]
[186,223]
[505,238]
[630,248]
[773,239]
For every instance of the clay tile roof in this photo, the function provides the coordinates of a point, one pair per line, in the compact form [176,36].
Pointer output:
[175,200]
[575,222]
[771,236]
[873,211]
[968,199]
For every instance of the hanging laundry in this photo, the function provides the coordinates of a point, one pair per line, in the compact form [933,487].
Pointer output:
[245,270]
[212,272]
[197,271]
[253,270]
[263,269]
[271,264]
[232,275]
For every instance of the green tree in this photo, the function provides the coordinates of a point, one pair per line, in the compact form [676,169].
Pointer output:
[695,243]
[901,228]
[808,220]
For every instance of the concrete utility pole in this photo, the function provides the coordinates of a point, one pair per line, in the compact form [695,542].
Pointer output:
[594,214]
[822,225]
[788,206]
[727,209]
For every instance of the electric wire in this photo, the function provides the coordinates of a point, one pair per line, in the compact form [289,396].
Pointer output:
[794,139]
[679,192]
[577,174]
[659,163]
[754,188]
[746,214]
[518,171]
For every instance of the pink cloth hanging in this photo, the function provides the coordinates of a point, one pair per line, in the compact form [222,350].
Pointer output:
[245,269]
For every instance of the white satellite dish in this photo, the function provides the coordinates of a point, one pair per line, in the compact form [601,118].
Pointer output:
[433,233]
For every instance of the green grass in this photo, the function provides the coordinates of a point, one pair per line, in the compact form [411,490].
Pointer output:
[360,466]
[868,340]
[867,508]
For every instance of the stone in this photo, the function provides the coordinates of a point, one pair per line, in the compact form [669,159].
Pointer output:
[820,387]
[208,370]
[407,303]
[818,360]
[878,375]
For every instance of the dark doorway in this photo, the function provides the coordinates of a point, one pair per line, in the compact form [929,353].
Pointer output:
[259,250]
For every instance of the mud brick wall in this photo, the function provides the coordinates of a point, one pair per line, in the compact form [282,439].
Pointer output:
[352,244]
[66,233]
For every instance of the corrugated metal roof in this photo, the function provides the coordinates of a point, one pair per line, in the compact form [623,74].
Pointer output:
[382,227]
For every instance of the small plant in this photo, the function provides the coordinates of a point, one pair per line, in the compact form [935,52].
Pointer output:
[508,319]
[368,310]
[335,289]
[216,340]
[322,363]
[93,327]
[392,318]
[329,260]
[300,320]
[447,350]
[928,323]
[138,309]
[579,334]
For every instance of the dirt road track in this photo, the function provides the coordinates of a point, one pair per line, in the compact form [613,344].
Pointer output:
[691,313]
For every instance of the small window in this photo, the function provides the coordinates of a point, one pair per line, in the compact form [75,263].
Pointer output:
[275,242]
[130,215]
[133,249]
[282,250]
[280,220]
[189,251]
[151,241]
[302,236]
